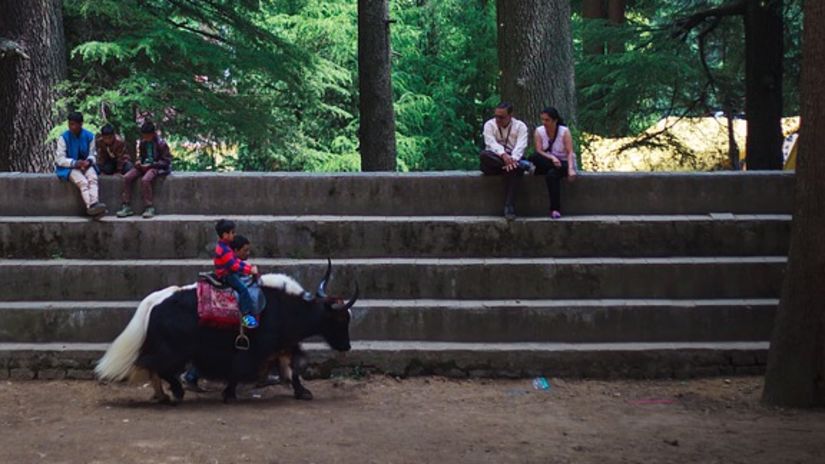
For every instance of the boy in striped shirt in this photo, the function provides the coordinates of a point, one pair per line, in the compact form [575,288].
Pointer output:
[229,270]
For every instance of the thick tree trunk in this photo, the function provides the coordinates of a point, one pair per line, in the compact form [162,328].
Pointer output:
[377,133]
[763,83]
[32,61]
[796,364]
[535,53]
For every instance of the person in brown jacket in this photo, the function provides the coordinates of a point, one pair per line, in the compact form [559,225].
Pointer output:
[111,152]
[154,160]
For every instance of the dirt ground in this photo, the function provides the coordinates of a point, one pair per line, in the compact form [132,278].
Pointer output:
[423,420]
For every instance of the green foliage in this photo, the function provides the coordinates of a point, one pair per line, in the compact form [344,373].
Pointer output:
[277,80]
[202,71]
[273,84]
[445,77]
[654,70]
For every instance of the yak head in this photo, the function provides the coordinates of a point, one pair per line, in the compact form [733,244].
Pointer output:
[336,314]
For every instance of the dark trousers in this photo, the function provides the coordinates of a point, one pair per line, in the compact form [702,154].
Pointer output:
[552,177]
[493,165]
[110,167]
[245,303]
[146,176]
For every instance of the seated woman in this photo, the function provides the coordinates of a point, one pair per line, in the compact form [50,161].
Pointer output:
[554,157]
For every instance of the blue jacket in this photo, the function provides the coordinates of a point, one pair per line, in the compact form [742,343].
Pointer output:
[71,148]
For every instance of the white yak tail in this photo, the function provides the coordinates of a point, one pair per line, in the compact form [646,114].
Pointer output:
[120,358]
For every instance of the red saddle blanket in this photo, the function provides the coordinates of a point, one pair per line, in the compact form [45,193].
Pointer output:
[217,307]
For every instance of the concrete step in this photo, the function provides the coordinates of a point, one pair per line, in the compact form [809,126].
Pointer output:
[515,360]
[490,321]
[395,278]
[413,194]
[193,236]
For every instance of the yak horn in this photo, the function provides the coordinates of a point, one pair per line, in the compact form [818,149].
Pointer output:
[349,303]
[322,287]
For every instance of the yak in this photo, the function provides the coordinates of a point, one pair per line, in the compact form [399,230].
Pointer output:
[164,335]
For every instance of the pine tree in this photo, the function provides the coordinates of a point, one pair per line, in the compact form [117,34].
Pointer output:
[32,63]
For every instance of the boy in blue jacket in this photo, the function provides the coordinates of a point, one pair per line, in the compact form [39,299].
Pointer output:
[75,161]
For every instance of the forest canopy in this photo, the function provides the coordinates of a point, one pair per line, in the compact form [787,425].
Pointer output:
[273,85]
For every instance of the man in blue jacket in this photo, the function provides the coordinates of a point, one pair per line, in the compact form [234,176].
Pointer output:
[75,161]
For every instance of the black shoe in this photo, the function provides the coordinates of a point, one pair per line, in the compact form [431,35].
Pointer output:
[96,209]
[509,212]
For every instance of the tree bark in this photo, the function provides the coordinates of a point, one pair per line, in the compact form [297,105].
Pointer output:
[34,61]
[763,83]
[796,363]
[616,17]
[535,51]
[733,147]
[377,131]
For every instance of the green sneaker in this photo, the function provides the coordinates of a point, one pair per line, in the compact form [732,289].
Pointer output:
[149,212]
[125,211]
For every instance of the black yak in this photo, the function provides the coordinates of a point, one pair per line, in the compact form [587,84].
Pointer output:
[164,335]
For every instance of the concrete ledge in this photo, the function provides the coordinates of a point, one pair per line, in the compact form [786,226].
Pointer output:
[483,278]
[184,236]
[431,193]
[490,321]
[516,360]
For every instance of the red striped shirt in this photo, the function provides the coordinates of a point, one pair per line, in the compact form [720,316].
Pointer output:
[227,263]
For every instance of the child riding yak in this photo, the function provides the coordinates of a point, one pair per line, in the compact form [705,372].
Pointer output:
[230,270]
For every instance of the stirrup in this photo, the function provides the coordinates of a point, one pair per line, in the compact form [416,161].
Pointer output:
[241,341]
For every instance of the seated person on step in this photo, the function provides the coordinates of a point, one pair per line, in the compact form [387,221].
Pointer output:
[505,139]
[230,270]
[154,159]
[554,157]
[75,161]
[112,152]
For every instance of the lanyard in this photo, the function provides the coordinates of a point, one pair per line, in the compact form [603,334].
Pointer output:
[506,137]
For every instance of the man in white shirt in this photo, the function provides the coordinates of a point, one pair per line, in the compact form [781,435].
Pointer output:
[505,139]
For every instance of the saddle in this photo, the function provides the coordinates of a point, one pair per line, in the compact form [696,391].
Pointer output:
[211,278]
[217,303]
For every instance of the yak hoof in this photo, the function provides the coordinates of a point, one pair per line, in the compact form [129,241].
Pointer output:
[303,394]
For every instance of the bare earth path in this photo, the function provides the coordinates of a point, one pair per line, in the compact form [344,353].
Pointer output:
[382,420]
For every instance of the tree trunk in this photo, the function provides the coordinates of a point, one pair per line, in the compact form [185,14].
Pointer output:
[733,147]
[535,54]
[763,83]
[796,364]
[594,9]
[616,17]
[377,132]
[32,61]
